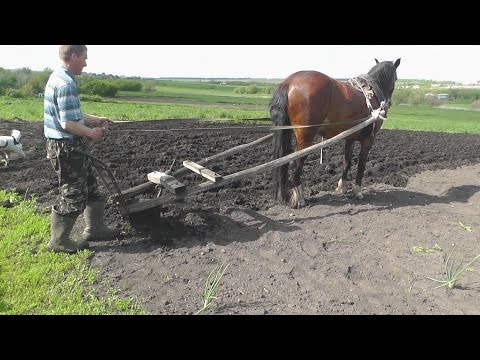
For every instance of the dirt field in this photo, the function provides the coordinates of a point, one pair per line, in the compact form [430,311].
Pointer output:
[336,256]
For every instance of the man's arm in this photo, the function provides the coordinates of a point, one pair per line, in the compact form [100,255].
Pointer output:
[76,128]
[94,121]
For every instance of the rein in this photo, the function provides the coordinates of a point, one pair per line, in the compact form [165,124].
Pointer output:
[256,128]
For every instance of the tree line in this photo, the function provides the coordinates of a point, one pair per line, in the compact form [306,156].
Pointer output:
[24,83]
[21,83]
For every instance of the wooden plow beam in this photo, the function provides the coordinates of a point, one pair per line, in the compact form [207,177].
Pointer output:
[199,169]
[151,203]
[142,188]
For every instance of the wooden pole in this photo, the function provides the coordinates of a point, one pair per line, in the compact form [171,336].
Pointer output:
[151,203]
[142,188]
[321,154]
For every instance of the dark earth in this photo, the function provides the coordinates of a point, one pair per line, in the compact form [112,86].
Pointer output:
[335,256]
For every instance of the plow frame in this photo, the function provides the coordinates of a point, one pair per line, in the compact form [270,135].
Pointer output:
[177,190]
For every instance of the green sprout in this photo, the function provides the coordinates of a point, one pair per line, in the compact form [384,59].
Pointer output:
[211,286]
[465,227]
[426,249]
[452,270]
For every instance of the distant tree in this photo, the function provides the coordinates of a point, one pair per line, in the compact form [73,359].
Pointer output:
[36,84]
[7,79]
[127,85]
[97,87]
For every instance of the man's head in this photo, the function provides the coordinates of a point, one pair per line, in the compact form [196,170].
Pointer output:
[74,57]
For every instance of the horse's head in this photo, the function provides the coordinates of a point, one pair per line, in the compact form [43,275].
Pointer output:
[382,77]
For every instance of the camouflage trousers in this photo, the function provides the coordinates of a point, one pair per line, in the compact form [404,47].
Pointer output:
[77,182]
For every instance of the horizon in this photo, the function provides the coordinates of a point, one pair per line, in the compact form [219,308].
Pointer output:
[436,63]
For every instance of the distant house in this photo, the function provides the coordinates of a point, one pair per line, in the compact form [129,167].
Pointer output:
[438,96]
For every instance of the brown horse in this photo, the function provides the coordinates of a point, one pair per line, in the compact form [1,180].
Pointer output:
[329,107]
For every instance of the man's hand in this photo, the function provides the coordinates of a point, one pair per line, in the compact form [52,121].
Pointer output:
[97,121]
[104,121]
[95,133]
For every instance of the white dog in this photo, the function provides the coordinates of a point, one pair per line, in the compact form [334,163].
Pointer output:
[11,144]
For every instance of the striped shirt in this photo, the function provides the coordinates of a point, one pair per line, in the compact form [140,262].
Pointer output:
[61,104]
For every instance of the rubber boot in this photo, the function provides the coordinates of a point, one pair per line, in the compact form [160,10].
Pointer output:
[61,227]
[95,227]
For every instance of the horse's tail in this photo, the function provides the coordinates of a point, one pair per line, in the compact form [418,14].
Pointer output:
[282,140]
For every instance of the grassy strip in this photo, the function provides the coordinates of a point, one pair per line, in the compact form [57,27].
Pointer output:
[419,118]
[35,281]
[204,95]
[425,118]
[32,110]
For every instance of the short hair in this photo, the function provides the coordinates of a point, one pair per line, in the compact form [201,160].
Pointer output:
[66,51]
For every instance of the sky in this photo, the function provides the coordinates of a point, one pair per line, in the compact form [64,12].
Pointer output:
[460,63]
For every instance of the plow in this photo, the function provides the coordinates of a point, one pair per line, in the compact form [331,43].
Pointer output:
[173,190]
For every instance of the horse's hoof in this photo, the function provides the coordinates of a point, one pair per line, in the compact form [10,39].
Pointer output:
[294,200]
[297,204]
[340,188]
[357,191]
[297,199]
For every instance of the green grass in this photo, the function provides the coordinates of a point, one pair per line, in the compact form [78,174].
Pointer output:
[206,93]
[152,111]
[32,110]
[26,109]
[231,99]
[36,281]
[424,118]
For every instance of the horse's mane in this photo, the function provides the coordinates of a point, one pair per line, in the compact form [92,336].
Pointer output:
[380,78]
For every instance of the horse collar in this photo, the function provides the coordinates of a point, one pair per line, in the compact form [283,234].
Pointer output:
[361,84]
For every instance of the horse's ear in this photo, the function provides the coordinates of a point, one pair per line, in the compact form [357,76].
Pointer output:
[377,61]
[397,63]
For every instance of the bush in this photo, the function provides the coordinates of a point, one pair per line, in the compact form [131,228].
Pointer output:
[15,93]
[127,85]
[254,89]
[149,87]
[400,96]
[100,88]
[476,105]
[94,98]
[433,100]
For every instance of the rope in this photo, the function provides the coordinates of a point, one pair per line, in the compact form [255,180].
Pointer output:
[238,128]
[364,94]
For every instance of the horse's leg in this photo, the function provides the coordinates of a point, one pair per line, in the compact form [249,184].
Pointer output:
[347,163]
[366,145]
[297,199]
[304,138]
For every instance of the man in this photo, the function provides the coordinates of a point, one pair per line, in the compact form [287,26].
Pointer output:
[66,127]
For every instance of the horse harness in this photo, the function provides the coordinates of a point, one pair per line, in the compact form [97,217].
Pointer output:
[361,84]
